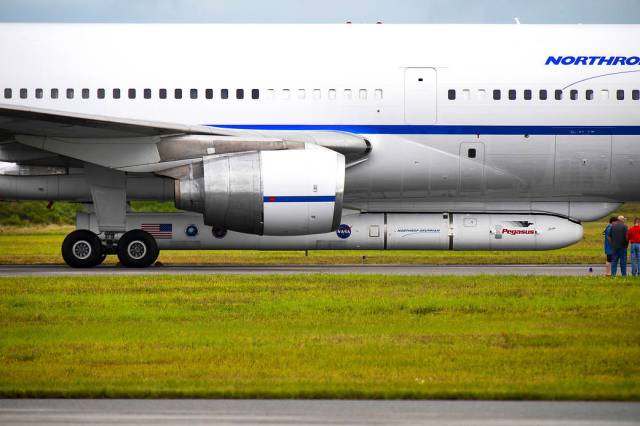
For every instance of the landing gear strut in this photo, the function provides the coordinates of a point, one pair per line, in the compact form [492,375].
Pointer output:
[135,249]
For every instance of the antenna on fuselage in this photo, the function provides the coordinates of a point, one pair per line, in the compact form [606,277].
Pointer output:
[517,20]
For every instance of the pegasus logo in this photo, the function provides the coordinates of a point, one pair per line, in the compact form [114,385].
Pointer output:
[518,231]
[519,227]
[593,60]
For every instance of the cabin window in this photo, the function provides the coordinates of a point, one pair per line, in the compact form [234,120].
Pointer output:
[317,94]
[7,93]
[378,94]
[101,93]
[193,93]
[301,94]
[177,93]
[332,94]
[363,94]
[39,93]
[482,94]
[23,93]
[255,94]
[451,95]
[239,93]
[224,93]
[471,153]
[573,95]
[558,95]
[271,94]
[116,93]
[527,95]
[69,93]
[147,93]
[635,95]
[162,93]
[512,95]
[542,95]
[620,95]
[604,94]
[208,93]
[54,93]
[131,93]
[466,94]
[497,95]
[588,95]
[286,94]
[85,93]
[348,94]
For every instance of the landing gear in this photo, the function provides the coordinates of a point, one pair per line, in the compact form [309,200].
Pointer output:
[82,249]
[137,249]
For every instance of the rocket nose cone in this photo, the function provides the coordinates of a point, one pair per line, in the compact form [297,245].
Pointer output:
[577,232]
[558,232]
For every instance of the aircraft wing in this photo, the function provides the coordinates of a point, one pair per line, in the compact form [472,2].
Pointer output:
[145,146]
[19,120]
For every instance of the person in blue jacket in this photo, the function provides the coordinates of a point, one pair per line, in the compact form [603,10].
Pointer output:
[608,250]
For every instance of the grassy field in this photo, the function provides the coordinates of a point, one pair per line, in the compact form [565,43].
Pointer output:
[320,337]
[20,245]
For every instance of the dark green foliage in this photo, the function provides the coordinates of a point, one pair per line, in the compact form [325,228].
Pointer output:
[25,213]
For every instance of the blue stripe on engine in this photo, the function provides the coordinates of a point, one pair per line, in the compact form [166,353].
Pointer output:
[299,198]
[445,129]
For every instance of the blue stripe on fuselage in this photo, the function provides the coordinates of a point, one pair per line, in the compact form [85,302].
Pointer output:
[299,198]
[445,129]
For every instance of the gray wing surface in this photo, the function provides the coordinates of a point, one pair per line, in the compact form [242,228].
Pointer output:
[19,120]
[40,136]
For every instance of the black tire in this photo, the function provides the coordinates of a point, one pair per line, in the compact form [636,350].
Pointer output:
[137,249]
[103,256]
[82,249]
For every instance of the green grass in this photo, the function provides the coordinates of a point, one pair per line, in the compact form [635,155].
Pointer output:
[320,337]
[20,245]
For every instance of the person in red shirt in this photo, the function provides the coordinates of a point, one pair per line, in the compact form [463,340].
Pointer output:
[633,235]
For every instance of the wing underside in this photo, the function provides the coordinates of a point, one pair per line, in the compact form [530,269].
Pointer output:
[45,137]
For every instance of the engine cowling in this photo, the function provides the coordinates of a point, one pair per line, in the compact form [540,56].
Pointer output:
[287,192]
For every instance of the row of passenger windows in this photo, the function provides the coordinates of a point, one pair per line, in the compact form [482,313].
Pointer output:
[543,94]
[362,94]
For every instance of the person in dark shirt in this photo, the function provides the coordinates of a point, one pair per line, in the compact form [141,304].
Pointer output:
[607,245]
[619,243]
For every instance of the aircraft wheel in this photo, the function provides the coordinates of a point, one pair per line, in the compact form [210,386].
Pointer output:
[102,257]
[82,249]
[137,249]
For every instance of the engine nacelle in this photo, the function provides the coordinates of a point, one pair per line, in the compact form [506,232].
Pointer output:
[288,192]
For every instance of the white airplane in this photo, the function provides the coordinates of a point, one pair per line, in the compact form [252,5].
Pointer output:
[459,137]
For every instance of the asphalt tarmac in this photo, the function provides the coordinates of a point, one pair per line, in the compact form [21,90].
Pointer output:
[58,270]
[315,412]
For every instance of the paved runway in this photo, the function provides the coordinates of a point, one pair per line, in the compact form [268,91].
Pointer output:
[317,412]
[559,270]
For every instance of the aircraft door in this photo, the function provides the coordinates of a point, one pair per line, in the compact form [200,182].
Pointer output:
[420,96]
[472,176]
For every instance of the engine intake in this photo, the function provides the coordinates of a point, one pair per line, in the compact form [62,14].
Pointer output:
[290,192]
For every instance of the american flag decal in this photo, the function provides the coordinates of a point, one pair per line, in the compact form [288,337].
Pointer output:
[160,231]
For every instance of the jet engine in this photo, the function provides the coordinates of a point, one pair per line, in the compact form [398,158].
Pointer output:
[286,192]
